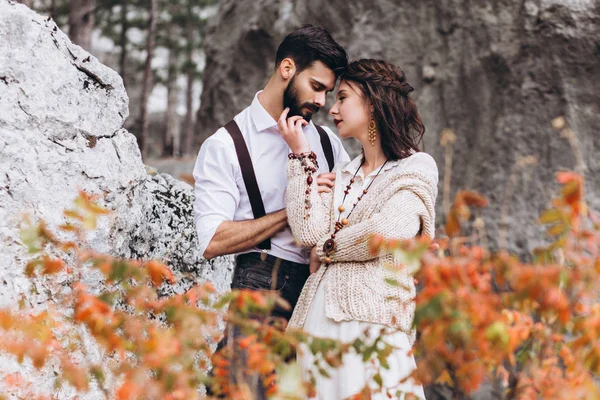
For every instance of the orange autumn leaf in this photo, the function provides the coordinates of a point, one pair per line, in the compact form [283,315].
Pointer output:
[128,391]
[258,298]
[565,177]
[460,210]
[272,390]
[88,202]
[75,375]
[38,354]
[452,224]
[52,265]
[473,199]
[158,272]
[246,341]
[375,243]
[14,380]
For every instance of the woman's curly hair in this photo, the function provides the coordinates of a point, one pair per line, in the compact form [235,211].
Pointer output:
[398,121]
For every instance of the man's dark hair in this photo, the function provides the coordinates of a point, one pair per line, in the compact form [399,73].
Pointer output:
[309,44]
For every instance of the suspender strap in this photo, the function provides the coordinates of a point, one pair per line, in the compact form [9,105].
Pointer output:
[326,145]
[256,202]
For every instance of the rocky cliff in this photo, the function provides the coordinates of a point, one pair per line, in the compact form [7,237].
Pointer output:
[496,73]
[61,117]
[61,113]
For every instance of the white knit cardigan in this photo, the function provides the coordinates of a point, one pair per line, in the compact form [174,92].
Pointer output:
[355,280]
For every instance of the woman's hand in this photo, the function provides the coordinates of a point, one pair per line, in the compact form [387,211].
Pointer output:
[291,132]
[315,263]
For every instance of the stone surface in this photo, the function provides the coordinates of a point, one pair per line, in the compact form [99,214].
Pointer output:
[61,117]
[495,72]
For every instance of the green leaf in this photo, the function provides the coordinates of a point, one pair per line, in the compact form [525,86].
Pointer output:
[323,372]
[31,266]
[30,237]
[550,216]
[392,282]
[557,230]
[383,361]
[108,298]
[429,311]
[378,379]
[97,373]
[118,271]
[368,352]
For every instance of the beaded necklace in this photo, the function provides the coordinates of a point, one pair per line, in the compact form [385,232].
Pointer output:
[329,246]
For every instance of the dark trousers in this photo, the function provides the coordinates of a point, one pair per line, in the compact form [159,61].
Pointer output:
[287,278]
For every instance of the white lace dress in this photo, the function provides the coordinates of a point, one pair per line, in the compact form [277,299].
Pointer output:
[351,377]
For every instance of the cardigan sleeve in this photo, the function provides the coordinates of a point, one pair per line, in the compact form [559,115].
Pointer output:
[307,224]
[400,218]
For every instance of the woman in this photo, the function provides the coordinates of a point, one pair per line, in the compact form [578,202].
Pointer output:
[390,190]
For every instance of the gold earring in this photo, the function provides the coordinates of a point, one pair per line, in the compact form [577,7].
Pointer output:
[372,132]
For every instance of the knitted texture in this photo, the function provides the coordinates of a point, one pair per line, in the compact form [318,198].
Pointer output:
[399,205]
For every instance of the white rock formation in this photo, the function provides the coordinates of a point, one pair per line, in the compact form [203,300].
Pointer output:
[61,113]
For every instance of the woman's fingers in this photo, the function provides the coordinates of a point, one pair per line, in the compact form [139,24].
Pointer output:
[284,114]
[291,131]
[282,121]
[323,189]
[287,125]
[298,124]
[293,123]
[324,182]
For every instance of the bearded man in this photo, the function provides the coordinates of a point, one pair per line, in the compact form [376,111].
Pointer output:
[240,173]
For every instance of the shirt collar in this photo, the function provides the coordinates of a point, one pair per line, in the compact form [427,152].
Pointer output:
[353,165]
[261,118]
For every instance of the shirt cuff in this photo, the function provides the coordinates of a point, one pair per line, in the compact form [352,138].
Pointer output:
[206,229]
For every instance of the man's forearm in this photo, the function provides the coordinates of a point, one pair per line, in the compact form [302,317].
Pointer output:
[235,236]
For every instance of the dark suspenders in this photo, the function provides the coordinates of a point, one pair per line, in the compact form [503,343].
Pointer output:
[256,202]
[258,208]
[326,145]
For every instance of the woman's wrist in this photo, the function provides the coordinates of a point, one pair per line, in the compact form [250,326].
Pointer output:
[307,155]
[300,150]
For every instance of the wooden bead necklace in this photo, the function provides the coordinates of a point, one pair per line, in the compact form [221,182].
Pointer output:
[329,246]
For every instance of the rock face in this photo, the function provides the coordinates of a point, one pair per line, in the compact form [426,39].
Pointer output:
[495,72]
[61,114]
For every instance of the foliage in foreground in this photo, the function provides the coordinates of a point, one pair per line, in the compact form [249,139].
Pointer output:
[532,328]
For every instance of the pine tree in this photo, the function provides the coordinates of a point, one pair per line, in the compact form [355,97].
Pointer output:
[146,81]
[169,36]
[193,21]
[81,22]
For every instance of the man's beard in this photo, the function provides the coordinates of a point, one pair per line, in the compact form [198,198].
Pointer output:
[291,100]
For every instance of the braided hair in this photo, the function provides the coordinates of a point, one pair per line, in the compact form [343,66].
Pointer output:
[398,121]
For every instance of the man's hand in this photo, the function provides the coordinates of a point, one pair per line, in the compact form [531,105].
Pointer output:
[325,182]
[315,263]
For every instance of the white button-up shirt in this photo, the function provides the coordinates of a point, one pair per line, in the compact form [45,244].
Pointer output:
[220,192]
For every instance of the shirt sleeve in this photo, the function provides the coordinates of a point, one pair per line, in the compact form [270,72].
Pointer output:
[216,192]
[339,153]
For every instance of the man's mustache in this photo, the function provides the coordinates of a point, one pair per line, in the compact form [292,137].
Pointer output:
[312,107]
